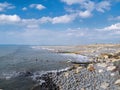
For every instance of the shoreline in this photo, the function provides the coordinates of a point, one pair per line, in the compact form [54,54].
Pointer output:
[100,72]
[95,72]
[105,72]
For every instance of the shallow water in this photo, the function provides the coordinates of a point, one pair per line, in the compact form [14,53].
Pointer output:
[16,59]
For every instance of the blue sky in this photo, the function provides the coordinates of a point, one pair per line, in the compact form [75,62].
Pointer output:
[59,22]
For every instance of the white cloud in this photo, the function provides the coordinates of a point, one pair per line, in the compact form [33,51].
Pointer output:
[70,2]
[112,27]
[4,6]
[37,6]
[24,8]
[85,14]
[63,19]
[88,6]
[9,18]
[102,6]
[45,19]
[15,19]
[54,20]
[60,19]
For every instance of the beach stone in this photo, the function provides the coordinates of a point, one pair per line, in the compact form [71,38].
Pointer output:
[100,70]
[66,74]
[91,67]
[104,85]
[102,64]
[117,82]
[111,68]
[112,74]
[92,77]
[78,69]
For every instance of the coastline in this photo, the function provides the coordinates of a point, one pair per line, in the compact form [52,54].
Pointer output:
[104,72]
[91,67]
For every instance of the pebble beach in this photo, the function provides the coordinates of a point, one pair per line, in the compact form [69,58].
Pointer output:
[103,73]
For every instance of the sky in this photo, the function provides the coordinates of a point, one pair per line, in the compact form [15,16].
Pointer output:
[59,22]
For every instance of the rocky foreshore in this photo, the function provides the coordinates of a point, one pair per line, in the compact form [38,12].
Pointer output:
[99,76]
[102,74]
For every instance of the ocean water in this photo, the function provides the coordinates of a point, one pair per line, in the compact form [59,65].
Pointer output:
[16,59]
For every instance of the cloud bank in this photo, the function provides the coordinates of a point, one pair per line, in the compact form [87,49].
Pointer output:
[88,6]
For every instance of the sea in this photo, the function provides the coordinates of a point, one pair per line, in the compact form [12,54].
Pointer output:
[17,59]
